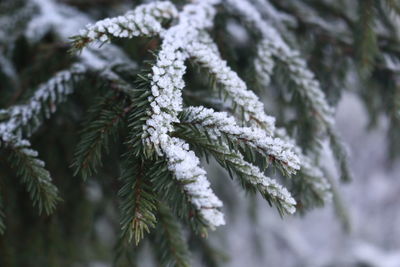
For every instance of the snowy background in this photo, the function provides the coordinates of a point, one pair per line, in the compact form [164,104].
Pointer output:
[318,238]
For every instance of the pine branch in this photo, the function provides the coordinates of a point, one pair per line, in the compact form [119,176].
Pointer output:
[310,190]
[26,118]
[179,199]
[170,246]
[310,186]
[251,178]
[297,76]
[105,118]
[138,201]
[243,139]
[365,37]
[167,175]
[205,52]
[264,62]
[137,117]
[36,178]
[144,20]
[313,100]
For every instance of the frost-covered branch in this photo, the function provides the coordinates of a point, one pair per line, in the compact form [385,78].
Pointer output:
[41,104]
[249,173]
[166,101]
[311,176]
[184,164]
[167,74]
[144,20]
[221,124]
[303,79]
[250,176]
[268,187]
[264,63]
[273,15]
[185,39]
[273,44]
[205,52]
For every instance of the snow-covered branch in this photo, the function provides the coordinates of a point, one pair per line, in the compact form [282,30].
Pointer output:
[144,20]
[166,102]
[273,44]
[43,102]
[304,80]
[221,124]
[205,52]
[184,164]
[310,173]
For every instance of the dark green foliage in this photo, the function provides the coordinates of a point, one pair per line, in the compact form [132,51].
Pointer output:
[104,120]
[137,118]
[366,39]
[2,215]
[138,201]
[170,245]
[34,176]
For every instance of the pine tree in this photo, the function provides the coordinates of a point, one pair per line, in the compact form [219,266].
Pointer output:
[139,104]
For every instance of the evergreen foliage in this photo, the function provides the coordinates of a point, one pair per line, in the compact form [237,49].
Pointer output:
[366,36]
[171,248]
[106,116]
[33,175]
[138,202]
[2,215]
[151,119]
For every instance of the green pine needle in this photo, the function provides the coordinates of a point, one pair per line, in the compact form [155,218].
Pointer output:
[106,117]
[365,37]
[138,201]
[36,178]
[170,246]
